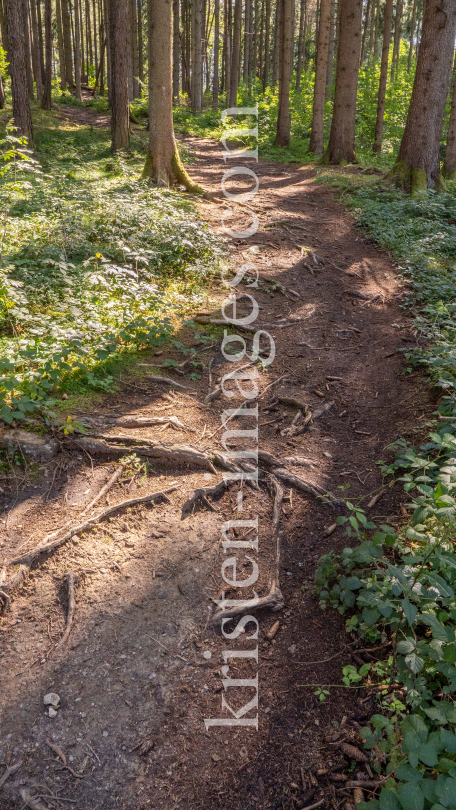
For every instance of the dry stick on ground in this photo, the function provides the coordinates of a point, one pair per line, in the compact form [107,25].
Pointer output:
[306,486]
[57,750]
[274,598]
[9,772]
[71,579]
[26,560]
[174,453]
[110,483]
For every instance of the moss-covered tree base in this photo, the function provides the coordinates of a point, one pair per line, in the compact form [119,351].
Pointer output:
[413,180]
[325,160]
[170,175]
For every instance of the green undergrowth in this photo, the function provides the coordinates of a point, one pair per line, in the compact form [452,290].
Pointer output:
[96,265]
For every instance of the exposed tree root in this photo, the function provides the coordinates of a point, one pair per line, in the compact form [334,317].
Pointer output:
[168,381]
[174,453]
[9,772]
[6,600]
[202,493]
[143,421]
[306,486]
[274,598]
[71,580]
[110,483]
[25,561]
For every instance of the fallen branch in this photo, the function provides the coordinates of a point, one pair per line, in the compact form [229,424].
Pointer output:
[174,453]
[274,599]
[29,558]
[306,486]
[9,772]
[71,579]
[110,483]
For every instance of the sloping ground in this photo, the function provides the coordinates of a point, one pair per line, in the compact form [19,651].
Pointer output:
[142,667]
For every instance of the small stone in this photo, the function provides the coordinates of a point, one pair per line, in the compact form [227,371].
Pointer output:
[51,699]
[292,649]
[105,733]
[52,712]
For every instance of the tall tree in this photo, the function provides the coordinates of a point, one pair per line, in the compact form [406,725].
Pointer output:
[378,136]
[28,45]
[36,53]
[365,30]
[176,46]
[449,164]
[19,83]
[235,54]
[47,98]
[412,35]
[332,40]
[120,118]
[318,114]
[267,34]
[197,56]
[77,52]
[301,42]
[397,38]
[417,165]
[341,146]
[60,44]
[215,80]
[163,165]
[286,65]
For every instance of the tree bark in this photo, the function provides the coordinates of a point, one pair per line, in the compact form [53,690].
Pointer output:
[66,27]
[318,114]
[60,44]
[215,85]
[365,30]
[36,53]
[163,165]
[267,34]
[197,56]
[417,165]
[235,53]
[120,118]
[276,48]
[412,35]
[301,42]
[47,94]
[341,146]
[28,45]
[77,52]
[286,64]
[376,31]
[397,39]
[2,93]
[19,83]
[134,47]
[247,34]
[378,136]
[4,30]
[140,49]
[332,40]
[176,52]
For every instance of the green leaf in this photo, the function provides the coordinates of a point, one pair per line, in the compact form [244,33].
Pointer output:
[388,800]
[409,610]
[427,754]
[437,629]
[446,791]
[406,646]
[411,796]
[414,662]
[406,773]
[448,739]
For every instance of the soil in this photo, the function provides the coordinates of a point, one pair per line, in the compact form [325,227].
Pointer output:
[142,667]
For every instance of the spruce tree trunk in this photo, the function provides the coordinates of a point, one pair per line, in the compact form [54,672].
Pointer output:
[332,39]
[276,46]
[2,93]
[376,31]
[412,35]
[397,39]
[28,45]
[163,165]
[246,66]
[4,31]
[366,28]
[417,165]
[176,52]
[341,146]
[197,56]
[134,47]
[235,54]
[66,27]
[378,136]
[267,34]
[107,14]
[120,118]
[47,94]
[286,66]
[61,47]
[318,114]
[301,42]
[81,36]
[19,83]
[141,55]
[449,164]
[77,52]
[36,52]
[215,86]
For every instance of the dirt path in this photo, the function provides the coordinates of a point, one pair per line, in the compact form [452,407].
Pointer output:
[142,667]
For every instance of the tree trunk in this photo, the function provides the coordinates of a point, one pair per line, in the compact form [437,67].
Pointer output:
[77,52]
[36,52]
[134,47]
[176,52]
[19,83]
[215,85]
[366,28]
[140,50]
[197,56]
[81,36]
[286,64]
[61,47]
[257,12]
[4,31]
[28,45]
[120,118]
[276,48]
[376,31]
[267,34]
[163,165]
[66,27]
[417,166]
[2,93]
[449,164]
[397,39]
[89,45]
[318,114]
[301,42]
[235,53]
[247,33]
[378,136]
[412,35]
[47,94]
[107,14]
[341,146]
[332,39]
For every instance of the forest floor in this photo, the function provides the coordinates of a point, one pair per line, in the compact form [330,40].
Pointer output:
[141,669]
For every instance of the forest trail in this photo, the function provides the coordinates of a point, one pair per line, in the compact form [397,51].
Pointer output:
[141,668]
